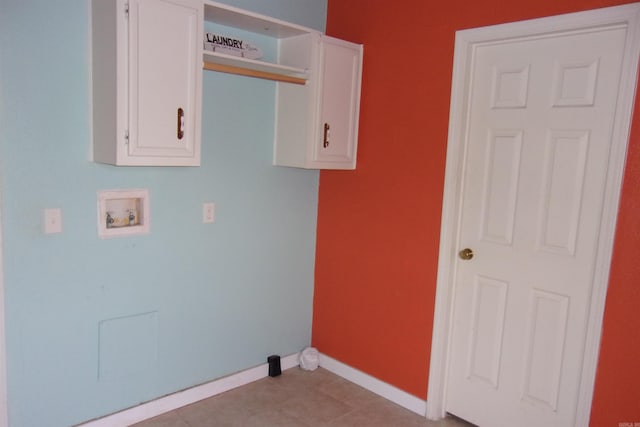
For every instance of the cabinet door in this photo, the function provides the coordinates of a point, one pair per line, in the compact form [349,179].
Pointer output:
[339,104]
[165,72]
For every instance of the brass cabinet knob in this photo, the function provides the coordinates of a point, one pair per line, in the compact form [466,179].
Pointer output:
[466,254]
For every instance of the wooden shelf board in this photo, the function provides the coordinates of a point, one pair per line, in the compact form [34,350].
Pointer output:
[232,69]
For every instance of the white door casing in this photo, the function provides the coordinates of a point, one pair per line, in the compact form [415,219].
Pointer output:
[4,418]
[567,141]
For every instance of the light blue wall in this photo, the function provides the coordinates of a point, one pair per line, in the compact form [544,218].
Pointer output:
[94,326]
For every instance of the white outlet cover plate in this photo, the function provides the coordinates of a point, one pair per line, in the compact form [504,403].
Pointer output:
[208,213]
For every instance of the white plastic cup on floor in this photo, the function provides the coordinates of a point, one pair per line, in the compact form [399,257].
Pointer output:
[309,359]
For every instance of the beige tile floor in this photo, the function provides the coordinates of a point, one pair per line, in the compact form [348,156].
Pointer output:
[297,398]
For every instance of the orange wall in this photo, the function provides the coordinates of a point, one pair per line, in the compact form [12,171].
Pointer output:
[378,226]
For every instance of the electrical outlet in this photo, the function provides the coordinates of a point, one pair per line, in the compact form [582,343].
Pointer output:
[208,213]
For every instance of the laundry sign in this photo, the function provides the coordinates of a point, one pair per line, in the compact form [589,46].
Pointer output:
[231,46]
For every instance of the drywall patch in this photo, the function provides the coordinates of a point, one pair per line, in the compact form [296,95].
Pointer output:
[128,347]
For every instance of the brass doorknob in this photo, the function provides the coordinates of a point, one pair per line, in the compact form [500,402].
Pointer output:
[466,254]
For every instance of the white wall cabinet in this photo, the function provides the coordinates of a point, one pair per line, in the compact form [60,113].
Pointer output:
[148,59]
[336,139]
[329,137]
[147,82]
[328,71]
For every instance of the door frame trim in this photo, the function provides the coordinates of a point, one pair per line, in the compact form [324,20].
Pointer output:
[4,418]
[466,41]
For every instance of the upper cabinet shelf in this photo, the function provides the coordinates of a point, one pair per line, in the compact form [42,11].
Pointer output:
[279,69]
[230,16]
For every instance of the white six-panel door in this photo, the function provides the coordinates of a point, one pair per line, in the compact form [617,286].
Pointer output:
[534,177]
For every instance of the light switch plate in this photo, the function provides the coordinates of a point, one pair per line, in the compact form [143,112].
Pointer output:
[52,221]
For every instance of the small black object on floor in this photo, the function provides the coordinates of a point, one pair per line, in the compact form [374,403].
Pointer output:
[274,365]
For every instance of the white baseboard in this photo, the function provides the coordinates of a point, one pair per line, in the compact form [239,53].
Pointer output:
[186,397]
[374,385]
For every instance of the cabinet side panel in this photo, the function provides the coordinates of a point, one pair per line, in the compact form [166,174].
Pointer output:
[295,105]
[104,79]
[290,139]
